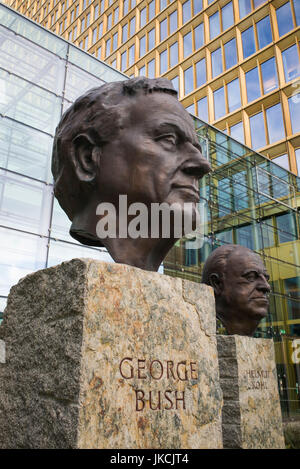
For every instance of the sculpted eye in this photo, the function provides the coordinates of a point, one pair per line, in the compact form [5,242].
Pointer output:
[251,276]
[169,138]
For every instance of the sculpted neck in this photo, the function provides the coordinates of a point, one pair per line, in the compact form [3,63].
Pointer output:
[145,253]
[237,325]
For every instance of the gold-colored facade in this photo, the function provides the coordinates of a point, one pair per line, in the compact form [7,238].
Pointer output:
[236,63]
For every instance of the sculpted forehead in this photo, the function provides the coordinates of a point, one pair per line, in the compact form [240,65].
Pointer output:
[150,110]
[241,260]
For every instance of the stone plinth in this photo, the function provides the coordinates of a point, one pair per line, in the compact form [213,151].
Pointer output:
[251,415]
[109,356]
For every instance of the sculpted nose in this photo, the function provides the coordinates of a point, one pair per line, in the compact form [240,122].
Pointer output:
[197,165]
[263,285]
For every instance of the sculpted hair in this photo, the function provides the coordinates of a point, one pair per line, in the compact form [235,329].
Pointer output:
[99,114]
[216,262]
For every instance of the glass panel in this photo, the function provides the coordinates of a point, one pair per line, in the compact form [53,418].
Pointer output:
[132,26]
[173,54]
[151,10]
[201,72]
[124,60]
[244,7]
[151,68]
[284,19]
[234,95]
[294,105]
[230,53]
[60,224]
[203,109]
[216,62]
[26,60]
[20,255]
[275,123]
[163,28]
[25,150]
[237,131]
[187,44]
[227,16]
[283,161]
[125,32]
[252,84]
[60,252]
[151,39]
[297,11]
[163,4]
[78,81]
[186,11]
[291,63]
[248,42]
[188,81]
[198,6]
[163,62]
[143,17]
[219,103]
[264,33]
[199,36]
[173,21]
[257,128]
[297,153]
[286,228]
[27,103]
[175,83]
[214,25]
[33,32]
[24,204]
[142,46]
[131,55]
[269,75]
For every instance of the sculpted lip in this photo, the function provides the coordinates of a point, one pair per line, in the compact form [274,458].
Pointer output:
[191,189]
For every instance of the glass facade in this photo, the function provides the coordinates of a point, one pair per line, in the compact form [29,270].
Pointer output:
[40,76]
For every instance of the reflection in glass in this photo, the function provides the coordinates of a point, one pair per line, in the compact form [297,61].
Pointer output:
[257,127]
[275,123]
[264,32]
[244,236]
[201,72]
[244,7]
[286,227]
[230,53]
[216,62]
[291,63]
[283,161]
[297,153]
[203,108]
[234,95]
[219,103]
[188,80]
[163,60]
[269,75]
[163,29]
[173,21]
[248,42]
[187,44]
[186,11]
[173,54]
[78,81]
[294,105]
[199,36]
[151,68]
[227,16]
[252,84]
[284,19]
[237,132]
[214,25]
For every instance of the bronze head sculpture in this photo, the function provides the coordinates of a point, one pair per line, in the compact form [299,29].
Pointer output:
[240,282]
[130,138]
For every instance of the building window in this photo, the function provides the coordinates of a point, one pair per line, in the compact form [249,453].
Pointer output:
[173,54]
[125,7]
[216,62]
[151,69]
[188,80]
[214,25]
[143,17]
[187,44]
[297,153]
[124,60]
[264,32]
[115,41]
[234,95]
[227,16]
[151,10]
[230,52]
[269,75]
[163,61]
[124,32]
[142,71]
[275,123]
[203,109]
[163,29]
[199,36]
[96,11]
[257,128]
[284,19]
[186,11]
[291,63]
[131,55]
[219,103]
[200,73]
[237,132]
[198,6]
[294,105]
[132,26]
[109,21]
[162,4]
[116,15]
[282,161]
[107,47]
[175,83]
[100,30]
[173,21]
[252,85]
[297,11]
[94,37]
[248,42]
[142,46]
[244,7]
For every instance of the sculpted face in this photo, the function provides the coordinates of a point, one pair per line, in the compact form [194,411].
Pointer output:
[155,157]
[246,285]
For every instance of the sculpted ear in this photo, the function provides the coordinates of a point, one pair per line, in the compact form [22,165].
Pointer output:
[85,157]
[217,283]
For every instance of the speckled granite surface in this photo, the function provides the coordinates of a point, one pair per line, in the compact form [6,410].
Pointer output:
[251,416]
[109,356]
